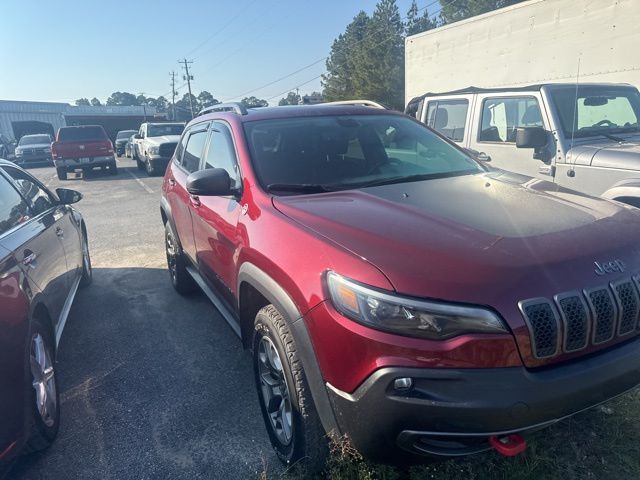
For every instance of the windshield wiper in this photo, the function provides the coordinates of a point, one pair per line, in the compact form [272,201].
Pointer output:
[403,179]
[298,187]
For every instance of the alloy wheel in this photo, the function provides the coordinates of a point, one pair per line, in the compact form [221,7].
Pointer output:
[275,393]
[172,254]
[44,381]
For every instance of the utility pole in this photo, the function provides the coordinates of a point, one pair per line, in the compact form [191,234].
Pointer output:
[173,96]
[144,106]
[188,78]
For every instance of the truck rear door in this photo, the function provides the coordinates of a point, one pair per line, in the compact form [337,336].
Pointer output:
[495,120]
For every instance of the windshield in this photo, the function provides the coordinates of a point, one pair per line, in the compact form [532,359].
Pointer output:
[34,140]
[600,110]
[168,129]
[338,152]
[124,134]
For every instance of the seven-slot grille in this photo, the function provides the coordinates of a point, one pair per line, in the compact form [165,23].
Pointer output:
[574,320]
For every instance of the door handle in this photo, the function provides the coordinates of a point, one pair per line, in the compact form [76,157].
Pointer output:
[195,201]
[29,259]
[59,232]
[483,157]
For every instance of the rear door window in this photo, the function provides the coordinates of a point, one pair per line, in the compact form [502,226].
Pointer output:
[13,209]
[448,117]
[81,134]
[193,151]
[502,116]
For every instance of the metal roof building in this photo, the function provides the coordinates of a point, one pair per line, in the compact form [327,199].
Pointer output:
[18,118]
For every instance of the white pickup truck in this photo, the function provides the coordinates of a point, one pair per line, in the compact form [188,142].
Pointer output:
[154,145]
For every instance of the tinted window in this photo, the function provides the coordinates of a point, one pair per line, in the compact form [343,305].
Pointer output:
[221,153]
[343,151]
[160,130]
[13,209]
[193,151]
[34,140]
[125,134]
[448,117]
[502,116]
[80,134]
[40,199]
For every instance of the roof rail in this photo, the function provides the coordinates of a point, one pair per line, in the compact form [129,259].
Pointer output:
[236,107]
[362,103]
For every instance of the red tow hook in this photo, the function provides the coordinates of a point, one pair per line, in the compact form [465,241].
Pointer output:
[509,445]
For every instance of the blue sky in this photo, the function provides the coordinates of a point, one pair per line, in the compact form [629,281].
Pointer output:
[66,49]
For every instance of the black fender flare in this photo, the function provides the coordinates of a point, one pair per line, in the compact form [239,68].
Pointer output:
[275,294]
[166,209]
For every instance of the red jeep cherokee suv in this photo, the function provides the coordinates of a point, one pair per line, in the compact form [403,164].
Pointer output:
[394,290]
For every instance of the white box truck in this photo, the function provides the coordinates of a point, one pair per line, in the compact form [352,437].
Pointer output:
[544,88]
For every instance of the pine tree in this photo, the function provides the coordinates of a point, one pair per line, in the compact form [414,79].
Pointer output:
[455,10]
[418,23]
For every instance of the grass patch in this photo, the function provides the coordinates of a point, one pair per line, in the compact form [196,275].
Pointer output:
[600,443]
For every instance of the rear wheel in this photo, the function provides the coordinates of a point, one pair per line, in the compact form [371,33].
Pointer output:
[113,169]
[288,410]
[180,278]
[42,386]
[62,173]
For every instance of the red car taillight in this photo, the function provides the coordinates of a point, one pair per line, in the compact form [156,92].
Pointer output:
[54,152]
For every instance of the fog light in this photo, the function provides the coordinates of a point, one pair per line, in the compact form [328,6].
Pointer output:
[404,383]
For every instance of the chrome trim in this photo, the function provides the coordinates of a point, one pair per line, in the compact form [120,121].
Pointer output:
[62,321]
[616,313]
[619,302]
[576,293]
[537,301]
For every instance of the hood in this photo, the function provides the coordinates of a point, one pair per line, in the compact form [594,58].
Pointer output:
[163,139]
[32,146]
[490,239]
[608,154]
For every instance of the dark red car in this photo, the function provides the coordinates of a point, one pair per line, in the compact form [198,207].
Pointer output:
[394,290]
[44,257]
[83,147]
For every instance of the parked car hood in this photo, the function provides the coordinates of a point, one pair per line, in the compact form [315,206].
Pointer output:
[163,139]
[488,239]
[608,154]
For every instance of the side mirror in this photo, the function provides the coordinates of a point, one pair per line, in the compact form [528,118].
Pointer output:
[211,182]
[531,137]
[137,136]
[68,196]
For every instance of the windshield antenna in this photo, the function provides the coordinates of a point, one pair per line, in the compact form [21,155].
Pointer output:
[572,170]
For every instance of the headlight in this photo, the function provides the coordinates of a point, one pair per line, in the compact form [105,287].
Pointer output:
[407,316]
[154,150]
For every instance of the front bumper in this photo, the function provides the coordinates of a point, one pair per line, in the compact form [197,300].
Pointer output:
[454,411]
[88,162]
[25,159]
[159,160]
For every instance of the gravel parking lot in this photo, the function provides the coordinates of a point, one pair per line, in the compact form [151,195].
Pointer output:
[153,385]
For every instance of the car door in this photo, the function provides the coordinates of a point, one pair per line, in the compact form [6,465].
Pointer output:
[497,116]
[186,161]
[215,219]
[29,231]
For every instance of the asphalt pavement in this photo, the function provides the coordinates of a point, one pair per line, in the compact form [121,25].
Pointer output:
[153,384]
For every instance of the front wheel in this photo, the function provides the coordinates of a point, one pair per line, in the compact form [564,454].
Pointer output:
[288,410]
[180,278]
[152,170]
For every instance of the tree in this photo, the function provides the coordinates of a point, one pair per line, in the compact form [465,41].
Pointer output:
[337,83]
[205,99]
[95,102]
[161,104]
[379,72]
[82,102]
[418,23]
[254,102]
[292,98]
[455,10]
[122,99]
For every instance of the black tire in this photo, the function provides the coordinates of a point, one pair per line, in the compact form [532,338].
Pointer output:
[180,278]
[41,434]
[62,173]
[133,155]
[150,168]
[113,169]
[87,268]
[308,446]
[140,165]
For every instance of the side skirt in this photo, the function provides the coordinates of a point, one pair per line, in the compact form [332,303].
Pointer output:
[62,321]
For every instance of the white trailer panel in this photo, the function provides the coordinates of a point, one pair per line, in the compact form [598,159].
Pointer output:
[538,41]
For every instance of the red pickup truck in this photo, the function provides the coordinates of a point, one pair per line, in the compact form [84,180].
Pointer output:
[83,147]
